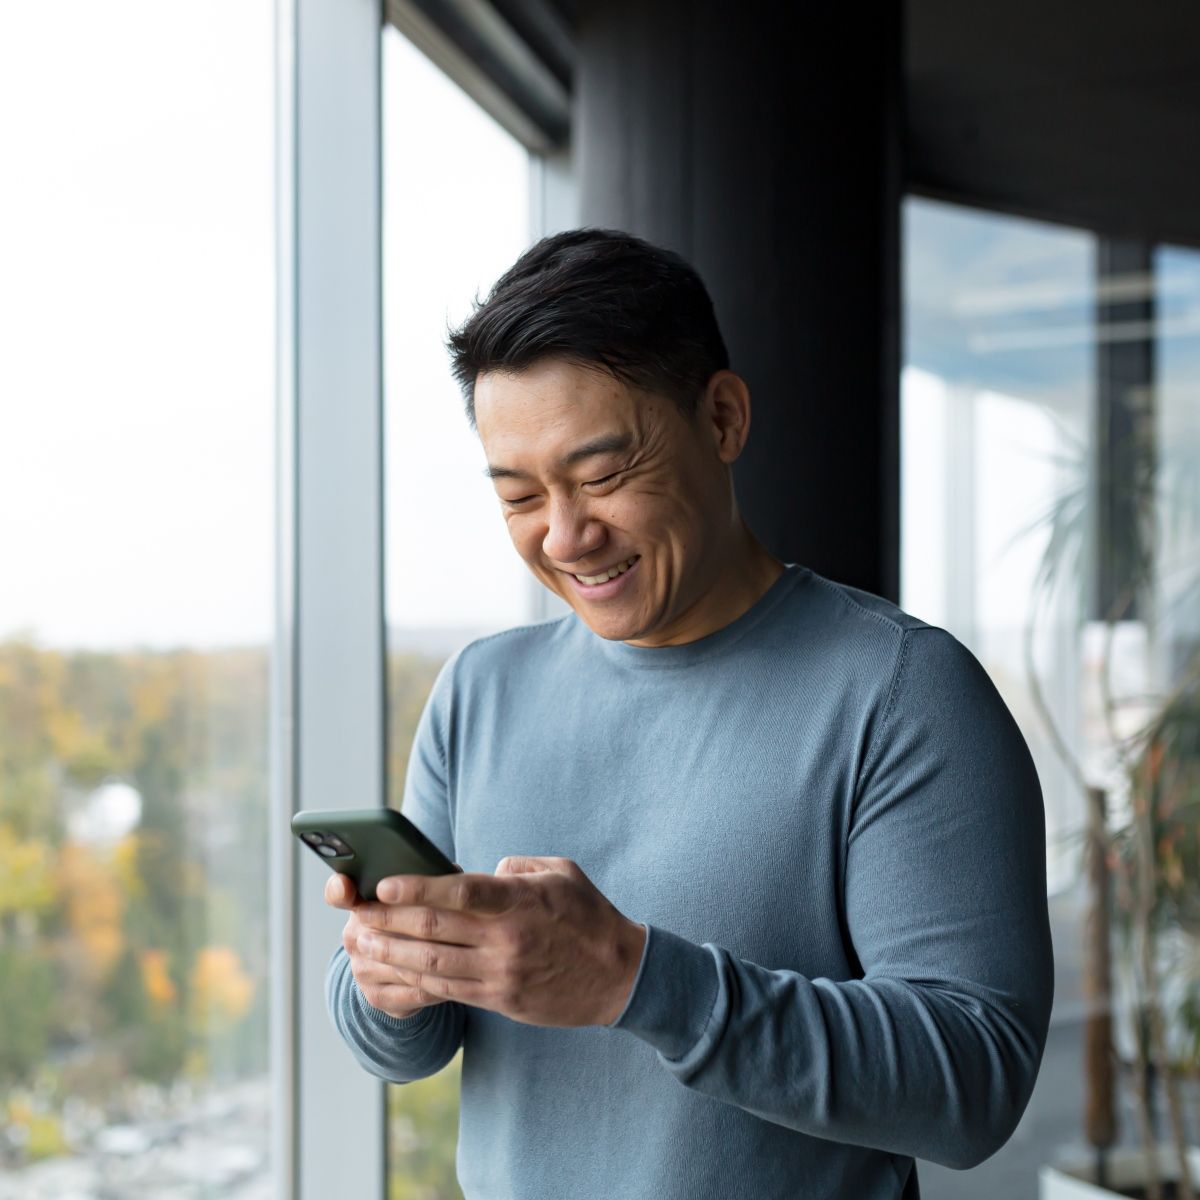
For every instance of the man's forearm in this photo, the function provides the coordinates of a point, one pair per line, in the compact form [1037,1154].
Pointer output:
[940,1071]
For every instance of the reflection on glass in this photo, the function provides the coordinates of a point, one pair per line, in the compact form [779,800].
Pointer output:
[136,511]
[996,409]
[456,215]
[1051,521]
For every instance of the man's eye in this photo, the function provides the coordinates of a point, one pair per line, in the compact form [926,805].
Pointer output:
[519,499]
[606,479]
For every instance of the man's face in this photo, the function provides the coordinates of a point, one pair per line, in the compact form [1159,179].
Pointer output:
[594,475]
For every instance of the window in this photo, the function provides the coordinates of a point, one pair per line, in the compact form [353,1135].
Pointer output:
[1050,449]
[456,215]
[136,525]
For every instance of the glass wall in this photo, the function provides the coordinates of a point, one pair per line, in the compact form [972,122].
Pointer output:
[456,215]
[136,527]
[1050,520]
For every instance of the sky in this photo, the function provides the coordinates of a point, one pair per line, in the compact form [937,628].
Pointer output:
[137,303]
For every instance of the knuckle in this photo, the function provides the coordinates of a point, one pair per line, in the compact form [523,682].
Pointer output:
[518,941]
[428,923]
[431,960]
[511,975]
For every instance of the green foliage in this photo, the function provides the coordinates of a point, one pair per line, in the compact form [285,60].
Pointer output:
[423,1136]
[26,991]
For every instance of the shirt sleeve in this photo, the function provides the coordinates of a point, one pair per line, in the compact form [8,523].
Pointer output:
[403,1049]
[934,1051]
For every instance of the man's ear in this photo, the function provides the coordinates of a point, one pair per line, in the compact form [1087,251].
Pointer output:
[725,413]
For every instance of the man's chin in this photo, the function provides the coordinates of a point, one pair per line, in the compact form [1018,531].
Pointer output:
[611,627]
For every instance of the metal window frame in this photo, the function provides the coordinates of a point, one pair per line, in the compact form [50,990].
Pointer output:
[329,704]
[329,668]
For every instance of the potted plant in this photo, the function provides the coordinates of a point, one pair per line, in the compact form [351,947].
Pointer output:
[1142,818]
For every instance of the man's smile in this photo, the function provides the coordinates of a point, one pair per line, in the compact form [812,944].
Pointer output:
[607,583]
[606,573]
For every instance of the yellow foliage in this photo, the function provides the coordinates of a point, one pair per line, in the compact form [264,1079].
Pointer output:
[125,866]
[152,696]
[155,978]
[46,1138]
[221,990]
[26,878]
[66,729]
[94,907]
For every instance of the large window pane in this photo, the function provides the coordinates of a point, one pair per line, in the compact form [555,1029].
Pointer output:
[1051,521]
[456,205]
[136,518]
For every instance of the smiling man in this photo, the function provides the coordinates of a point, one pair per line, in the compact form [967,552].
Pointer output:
[753,901]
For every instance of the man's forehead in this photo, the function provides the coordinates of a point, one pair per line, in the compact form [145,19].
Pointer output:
[548,384]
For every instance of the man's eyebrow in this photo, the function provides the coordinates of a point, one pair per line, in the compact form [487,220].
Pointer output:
[609,443]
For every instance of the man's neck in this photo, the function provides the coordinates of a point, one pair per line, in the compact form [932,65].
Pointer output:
[745,577]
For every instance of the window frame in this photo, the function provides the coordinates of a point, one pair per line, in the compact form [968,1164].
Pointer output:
[329,687]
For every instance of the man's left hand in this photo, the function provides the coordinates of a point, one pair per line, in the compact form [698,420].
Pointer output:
[537,941]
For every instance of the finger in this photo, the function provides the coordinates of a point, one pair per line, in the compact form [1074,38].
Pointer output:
[418,987]
[340,891]
[531,864]
[428,924]
[401,996]
[396,998]
[468,892]
[423,958]
[444,987]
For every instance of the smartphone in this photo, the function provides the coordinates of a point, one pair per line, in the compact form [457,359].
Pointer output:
[369,844]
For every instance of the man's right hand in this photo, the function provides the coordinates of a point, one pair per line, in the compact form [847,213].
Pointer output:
[377,981]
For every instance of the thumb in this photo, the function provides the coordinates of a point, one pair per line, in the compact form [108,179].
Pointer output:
[524,864]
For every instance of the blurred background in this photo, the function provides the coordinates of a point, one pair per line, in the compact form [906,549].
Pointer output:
[955,250]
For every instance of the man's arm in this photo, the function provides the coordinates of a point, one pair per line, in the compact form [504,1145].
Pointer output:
[934,1052]
[401,1049]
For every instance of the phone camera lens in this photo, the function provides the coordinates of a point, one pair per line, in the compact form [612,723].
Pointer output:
[327,850]
[313,839]
[340,846]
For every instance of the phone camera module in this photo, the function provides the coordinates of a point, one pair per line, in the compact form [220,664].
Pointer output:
[336,842]
[327,850]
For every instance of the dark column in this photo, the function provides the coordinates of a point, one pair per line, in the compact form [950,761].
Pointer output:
[1126,460]
[760,141]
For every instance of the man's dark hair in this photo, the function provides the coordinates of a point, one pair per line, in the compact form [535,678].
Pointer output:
[601,298]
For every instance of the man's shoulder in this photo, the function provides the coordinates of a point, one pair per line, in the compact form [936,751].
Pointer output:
[510,649]
[854,612]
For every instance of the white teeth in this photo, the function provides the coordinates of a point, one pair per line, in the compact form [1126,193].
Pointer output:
[611,573]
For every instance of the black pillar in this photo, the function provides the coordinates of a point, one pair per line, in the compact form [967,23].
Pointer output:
[759,140]
[1125,468]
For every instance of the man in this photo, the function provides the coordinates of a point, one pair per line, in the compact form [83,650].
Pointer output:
[753,901]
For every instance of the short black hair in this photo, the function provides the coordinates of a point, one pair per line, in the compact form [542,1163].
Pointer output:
[601,298]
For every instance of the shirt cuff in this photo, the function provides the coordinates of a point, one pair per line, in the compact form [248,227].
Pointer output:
[675,996]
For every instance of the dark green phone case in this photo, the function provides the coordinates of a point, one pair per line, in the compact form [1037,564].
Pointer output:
[380,841]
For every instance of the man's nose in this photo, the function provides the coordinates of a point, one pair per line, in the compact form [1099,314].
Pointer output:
[572,532]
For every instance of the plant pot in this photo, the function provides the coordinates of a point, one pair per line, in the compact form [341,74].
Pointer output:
[1071,1177]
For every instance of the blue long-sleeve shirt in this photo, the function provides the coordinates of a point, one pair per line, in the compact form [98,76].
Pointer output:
[833,830]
